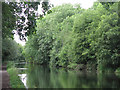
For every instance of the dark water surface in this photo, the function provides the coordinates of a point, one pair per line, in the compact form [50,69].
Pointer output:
[44,77]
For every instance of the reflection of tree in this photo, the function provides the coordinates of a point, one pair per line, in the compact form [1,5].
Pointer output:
[67,79]
[38,77]
[108,80]
[70,79]
[42,77]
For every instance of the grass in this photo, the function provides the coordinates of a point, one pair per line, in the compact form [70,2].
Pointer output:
[15,81]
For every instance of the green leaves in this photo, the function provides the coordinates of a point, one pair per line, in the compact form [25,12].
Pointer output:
[10,49]
[8,20]
[70,35]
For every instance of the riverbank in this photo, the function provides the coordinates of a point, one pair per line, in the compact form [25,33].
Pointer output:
[89,67]
[15,81]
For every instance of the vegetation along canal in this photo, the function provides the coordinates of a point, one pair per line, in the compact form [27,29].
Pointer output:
[65,46]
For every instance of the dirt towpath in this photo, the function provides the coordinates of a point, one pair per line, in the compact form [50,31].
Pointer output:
[5,78]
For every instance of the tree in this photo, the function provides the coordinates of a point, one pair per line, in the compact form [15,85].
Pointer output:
[77,38]
[8,20]
[22,16]
[10,50]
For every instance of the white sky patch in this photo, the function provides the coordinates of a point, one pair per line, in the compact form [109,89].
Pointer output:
[84,3]
[40,9]
[16,38]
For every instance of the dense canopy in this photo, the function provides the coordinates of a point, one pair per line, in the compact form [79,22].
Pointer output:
[77,38]
[64,36]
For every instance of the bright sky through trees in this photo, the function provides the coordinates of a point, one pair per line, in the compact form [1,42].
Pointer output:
[84,4]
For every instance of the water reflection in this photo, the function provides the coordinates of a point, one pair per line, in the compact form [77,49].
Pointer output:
[43,77]
[23,78]
[38,77]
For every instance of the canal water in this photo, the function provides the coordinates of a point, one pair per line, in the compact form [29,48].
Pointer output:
[36,76]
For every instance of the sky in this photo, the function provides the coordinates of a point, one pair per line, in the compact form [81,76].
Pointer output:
[84,4]
[16,38]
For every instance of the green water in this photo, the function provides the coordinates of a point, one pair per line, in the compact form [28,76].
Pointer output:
[44,77]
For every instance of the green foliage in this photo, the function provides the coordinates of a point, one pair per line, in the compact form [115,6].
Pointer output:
[70,37]
[108,42]
[31,48]
[15,81]
[72,66]
[8,20]
[10,64]
[10,50]
[46,34]
[118,69]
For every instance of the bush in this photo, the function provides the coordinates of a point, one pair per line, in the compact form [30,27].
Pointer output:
[10,64]
[15,81]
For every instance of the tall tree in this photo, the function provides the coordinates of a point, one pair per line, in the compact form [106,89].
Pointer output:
[21,16]
[8,20]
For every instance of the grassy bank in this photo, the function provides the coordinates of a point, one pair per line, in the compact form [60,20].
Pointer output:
[15,81]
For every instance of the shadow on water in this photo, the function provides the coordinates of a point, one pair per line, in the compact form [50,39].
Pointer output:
[44,77]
